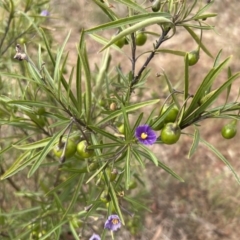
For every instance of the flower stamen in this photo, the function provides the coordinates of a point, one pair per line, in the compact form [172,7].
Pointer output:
[144,135]
[115,221]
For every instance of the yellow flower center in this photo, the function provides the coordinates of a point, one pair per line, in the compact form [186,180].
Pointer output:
[115,221]
[144,135]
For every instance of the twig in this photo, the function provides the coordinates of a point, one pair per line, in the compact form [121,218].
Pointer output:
[133,54]
[7,26]
[150,57]
[12,183]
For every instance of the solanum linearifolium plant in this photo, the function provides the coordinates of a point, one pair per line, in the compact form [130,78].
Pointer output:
[83,137]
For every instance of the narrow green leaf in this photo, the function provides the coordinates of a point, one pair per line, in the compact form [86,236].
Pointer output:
[88,85]
[58,203]
[130,20]
[31,20]
[40,61]
[174,52]
[163,166]
[136,204]
[75,195]
[230,86]
[102,40]
[21,212]
[204,16]
[127,128]
[214,96]
[34,73]
[217,59]
[17,76]
[53,229]
[128,109]
[200,27]
[97,172]
[59,57]
[170,171]
[106,134]
[221,157]
[134,28]
[170,5]
[69,88]
[102,74]
[44,153]
[63,81]
[71,95]
[107,10]
[186,77]
[16,166]
[150,117]
[197,40]
[79,76]
[138,157]
[217,93]
[204,8]
[170,89]
[160,119]
[127,172]
[34,145]
[206,83]
[194,146]
[136,124]
[131,4]
[32,103]
[115,203]
[105,145]
[189,9]
[63,184]
[74,232]
[151,156]
[45,39]
[9,147]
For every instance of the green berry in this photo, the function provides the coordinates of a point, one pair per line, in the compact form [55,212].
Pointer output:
[132,185]
[70,149]
[172,114]
[156,5]
[83,151]
[121,128]
[170,133]
[105,197]
[141,38]
[229,130]
[193,57]
[120,43]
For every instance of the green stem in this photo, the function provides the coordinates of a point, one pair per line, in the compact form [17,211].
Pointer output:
[10,18]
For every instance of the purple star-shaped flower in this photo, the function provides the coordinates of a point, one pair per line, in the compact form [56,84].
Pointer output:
[145,135]
[44,13]
[95,237]
[113,223]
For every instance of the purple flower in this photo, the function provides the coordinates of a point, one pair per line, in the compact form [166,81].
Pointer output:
[95,237]
[44,13]
[145,135]
[113,223]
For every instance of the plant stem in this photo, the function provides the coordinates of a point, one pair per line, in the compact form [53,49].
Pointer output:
[148,60]
[10,18]
[12,183]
